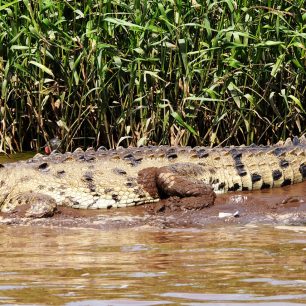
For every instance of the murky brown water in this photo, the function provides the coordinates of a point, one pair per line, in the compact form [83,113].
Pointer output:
[231,265]
[258,265]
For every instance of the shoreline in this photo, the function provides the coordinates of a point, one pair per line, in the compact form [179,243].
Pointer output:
[278,206]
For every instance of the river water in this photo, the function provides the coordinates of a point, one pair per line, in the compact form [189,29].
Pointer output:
[233,265]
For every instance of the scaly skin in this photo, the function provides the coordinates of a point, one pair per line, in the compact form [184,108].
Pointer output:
[133,176]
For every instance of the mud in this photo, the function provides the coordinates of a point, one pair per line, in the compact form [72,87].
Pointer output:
[286,205]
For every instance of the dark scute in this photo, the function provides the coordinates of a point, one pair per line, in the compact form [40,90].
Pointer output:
[242,172]
[115,197]
[119,171]
[215,181]
[170,151]
[234,188]
[255,177]
[240,169]
[284,163]
[265,186]
[88,176]
[130,184]
[61,172]
[236,154]
[295,141]
[302,169]
[278,151]
[1,166]
[286,182]
[171,155]
[128,156]
[131,159]
[277,174]
[202,153]
[221,186]
[244,188]
[43,166]
[91,186]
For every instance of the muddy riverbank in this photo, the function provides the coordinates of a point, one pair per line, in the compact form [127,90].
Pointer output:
[286,205]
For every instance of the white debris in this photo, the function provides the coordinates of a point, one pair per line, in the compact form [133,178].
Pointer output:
[228,214]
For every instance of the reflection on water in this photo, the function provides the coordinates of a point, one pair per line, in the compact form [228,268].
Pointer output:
[232,265]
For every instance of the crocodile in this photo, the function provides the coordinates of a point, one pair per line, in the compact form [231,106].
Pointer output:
[121,177]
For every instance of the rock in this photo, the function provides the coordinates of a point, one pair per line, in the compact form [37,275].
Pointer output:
[41,210]
[31,205]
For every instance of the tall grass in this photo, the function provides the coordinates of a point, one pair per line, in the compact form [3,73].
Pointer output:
[137,72]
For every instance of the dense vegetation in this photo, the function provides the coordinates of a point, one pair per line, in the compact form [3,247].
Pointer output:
[131,72]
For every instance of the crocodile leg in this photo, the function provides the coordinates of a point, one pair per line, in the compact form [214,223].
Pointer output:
[174,184]
[178,180]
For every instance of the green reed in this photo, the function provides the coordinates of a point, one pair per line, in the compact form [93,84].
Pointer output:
[151,72]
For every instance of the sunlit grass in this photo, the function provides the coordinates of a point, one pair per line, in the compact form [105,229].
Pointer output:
[151,72]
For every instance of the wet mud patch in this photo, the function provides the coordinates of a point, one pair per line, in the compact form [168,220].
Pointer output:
[282,206]
[177,204]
